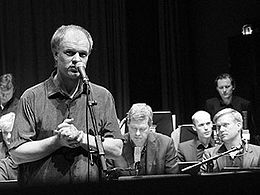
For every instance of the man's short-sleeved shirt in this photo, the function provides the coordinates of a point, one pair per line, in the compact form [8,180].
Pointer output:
[41,109]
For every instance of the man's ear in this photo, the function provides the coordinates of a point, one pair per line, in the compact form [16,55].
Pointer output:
[55,55]
[193,127]
[240,126]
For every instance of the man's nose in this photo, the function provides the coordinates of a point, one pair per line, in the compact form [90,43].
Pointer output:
[221,129]
[76,57]
[137,132]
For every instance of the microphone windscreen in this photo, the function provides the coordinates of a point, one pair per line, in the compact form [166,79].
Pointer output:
[137,154]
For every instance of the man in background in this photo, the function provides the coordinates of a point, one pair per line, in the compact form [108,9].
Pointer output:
[8,104]
[8,107]
[225,86]
[8,101]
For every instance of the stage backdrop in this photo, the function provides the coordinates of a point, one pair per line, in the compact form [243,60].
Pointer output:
[166,53]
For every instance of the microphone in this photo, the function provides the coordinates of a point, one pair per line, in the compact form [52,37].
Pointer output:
[137,154]
[244,115]
[137,158]
[245,130]
[246,138]
[82,70]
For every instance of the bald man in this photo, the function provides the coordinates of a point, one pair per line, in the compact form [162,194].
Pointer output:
[193,150]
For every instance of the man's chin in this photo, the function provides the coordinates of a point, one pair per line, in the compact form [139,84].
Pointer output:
[138,143]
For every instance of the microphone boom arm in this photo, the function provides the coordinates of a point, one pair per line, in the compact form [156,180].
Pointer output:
[210,159]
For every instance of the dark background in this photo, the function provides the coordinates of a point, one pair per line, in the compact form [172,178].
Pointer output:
[164,53]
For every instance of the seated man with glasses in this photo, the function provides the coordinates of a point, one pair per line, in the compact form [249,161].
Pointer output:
[145,152]
[243,155]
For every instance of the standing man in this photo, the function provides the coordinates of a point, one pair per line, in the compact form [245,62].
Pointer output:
[229,123]
[225,85]
[52,140]
[8,100]
[193,150]
[145,151]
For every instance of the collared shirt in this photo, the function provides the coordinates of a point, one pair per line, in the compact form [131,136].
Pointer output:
[201,148]
[42,108]
[141,167]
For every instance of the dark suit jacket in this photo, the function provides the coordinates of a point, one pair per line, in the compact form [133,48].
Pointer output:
[161,155]
[250,158]
[188,150]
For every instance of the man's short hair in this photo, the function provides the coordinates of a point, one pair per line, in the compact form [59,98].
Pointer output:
[60,33]
[140,111]
[237,116]
[225,76]
[197,114]
[7,82]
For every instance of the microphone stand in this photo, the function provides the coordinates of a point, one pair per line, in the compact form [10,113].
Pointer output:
[137,168]
[211,159]
[98,139]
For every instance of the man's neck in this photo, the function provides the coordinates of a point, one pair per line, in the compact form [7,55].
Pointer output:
[67,85]
[236,143]
[204,141]
[227,101]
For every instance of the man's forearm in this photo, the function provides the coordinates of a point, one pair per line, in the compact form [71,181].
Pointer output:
[34,150]
[112,147]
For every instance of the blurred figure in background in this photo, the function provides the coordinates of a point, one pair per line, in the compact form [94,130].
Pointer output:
[8,101]
[8,107]
[8,169]
[8,104]
[225,86]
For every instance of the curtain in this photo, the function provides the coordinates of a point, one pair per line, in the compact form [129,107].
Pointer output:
[176,69]
[26,28]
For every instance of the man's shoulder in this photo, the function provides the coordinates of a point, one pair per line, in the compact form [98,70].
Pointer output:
[98,89]
[213,149]
[160,136]
[34,90]
[187,143]
[212,100]
[240,99]
[255,147]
